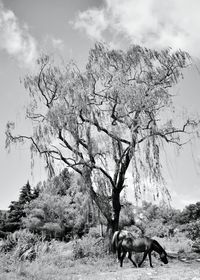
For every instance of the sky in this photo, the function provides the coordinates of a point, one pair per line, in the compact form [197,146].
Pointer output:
[68,29]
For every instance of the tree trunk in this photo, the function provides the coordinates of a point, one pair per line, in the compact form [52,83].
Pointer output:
[113,224]
[111,214]
[116,209]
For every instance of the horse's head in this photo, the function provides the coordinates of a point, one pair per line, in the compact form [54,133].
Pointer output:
[163,257]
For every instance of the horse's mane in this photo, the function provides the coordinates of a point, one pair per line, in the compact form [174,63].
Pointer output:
[158,246]
[114,242]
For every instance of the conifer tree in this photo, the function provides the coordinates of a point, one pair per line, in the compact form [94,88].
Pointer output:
[16,209]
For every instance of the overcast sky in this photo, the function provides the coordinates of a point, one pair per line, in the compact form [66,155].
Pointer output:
[68,29]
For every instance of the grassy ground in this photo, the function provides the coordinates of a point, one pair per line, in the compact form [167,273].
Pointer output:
[50,268]
[58,263]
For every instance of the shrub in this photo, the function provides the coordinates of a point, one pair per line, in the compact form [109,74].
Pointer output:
[89,247]
[7,245]
[192,230]
[94,232]
[26,245]
[135,230]
[156,228]
[179,243]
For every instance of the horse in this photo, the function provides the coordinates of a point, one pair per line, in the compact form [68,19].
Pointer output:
[124,241]
[117,237]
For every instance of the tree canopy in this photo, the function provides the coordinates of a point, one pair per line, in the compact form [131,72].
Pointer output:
[99,120]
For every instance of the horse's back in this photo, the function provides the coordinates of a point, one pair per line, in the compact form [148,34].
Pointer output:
[141,244]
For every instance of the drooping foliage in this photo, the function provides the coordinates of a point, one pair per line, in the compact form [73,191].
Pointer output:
[99,121]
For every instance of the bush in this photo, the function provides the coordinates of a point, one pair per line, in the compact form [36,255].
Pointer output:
[7,245]
[179,243]
[135,230]
[24,245]
[156,228]
[192,230]
[89,247]
[94,233]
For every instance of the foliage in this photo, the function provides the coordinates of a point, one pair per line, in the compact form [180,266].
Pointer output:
[26,245]
[59,184]
[155,219]
[156,228]
[192,230]
[111,114]
[89,246]
[94,233]
[127,215]
[25,194]
[62,209]
[16,212]
[7,245]
[189,221]
[190,213]
[159,211]
[3,219]
[178,244]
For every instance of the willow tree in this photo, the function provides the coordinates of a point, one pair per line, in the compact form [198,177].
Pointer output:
[106,118]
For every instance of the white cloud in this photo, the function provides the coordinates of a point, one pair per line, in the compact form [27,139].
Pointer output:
[15,39]
[50,43]
[153,23]
[57,43]
[93,21]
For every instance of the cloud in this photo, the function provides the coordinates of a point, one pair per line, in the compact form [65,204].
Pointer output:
[151,23]
[57,43]
[182,198]
[93,21]
[15,38]
[50,43]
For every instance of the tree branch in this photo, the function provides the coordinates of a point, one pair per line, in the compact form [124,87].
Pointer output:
[100,128]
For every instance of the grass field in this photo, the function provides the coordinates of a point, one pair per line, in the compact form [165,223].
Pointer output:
[50,268]
[64,261]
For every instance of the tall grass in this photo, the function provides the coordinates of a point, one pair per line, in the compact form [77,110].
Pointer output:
[61,261]
[179,243]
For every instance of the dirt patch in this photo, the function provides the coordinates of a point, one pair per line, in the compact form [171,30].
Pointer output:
[62,268]
[173,271]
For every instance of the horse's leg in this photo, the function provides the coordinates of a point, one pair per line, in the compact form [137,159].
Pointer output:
[119,253]
[122,258]
[150,259]
[130,258]
[144,257]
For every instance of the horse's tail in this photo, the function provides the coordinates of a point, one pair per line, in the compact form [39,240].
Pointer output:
[114,242]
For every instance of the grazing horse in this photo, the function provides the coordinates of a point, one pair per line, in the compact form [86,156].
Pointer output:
[123,243]
[119,236]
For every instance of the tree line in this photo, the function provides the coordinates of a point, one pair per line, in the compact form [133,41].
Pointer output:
[55,208]
[62,208]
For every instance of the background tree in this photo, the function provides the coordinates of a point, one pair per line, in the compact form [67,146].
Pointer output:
[99,120]
[36,191]
[3,219]
[25,194]
[157,220]
[16,209]
[190,213]
[62,208]
[60,184]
